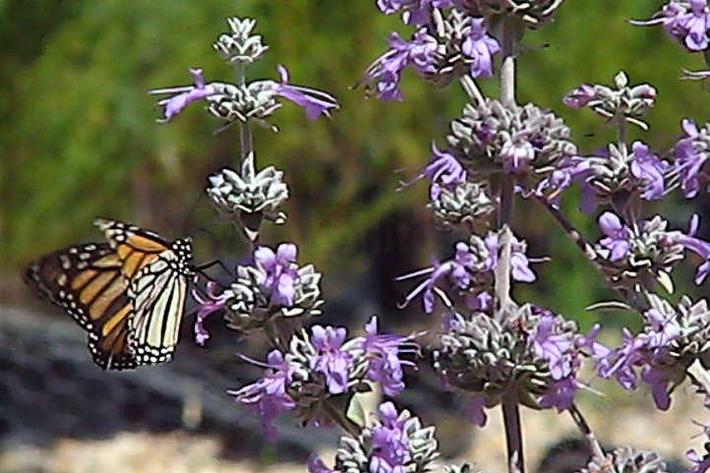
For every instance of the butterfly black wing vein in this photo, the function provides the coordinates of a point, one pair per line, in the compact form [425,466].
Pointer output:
[128,294]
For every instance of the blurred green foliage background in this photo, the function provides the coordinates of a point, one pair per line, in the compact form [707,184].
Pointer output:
[79,137]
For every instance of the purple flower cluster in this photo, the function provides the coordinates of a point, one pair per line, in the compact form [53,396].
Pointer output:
[470,262]
[612,172]
[268,396]
[647,357]
[383,352]
[280,272]
[329,356]
[386,71]
[687,21]
[649,240]
[330,360]
[430,46]
[390,444]
[692,154]
[444,171]
[480,48]
[564,353]
[208,303]
[394,443]
[314,102]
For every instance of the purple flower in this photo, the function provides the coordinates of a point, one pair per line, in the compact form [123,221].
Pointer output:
[648,353]
[185,95]
[387,69]
[331,361]
[650,170]
[455,270]
[385,366]
[580,96]
[517,154]
[268,395]
[281,272]
[659,378]
[688,21]
[314,102]
[460,270]
[620,362]
[561,394]
[519,262]
[692,152]
[555,348]
[697,246]
[444,170]
[207,304]
[617,236]
[390,443]
[480,48]
[563,351]
[701,463]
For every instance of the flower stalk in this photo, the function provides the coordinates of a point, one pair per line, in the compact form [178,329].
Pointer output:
[591,439]
[245,136]
[510,408]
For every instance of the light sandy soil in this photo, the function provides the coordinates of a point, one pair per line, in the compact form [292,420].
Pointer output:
[636,424]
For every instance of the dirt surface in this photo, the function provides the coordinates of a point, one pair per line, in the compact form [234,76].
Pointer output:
[614,419]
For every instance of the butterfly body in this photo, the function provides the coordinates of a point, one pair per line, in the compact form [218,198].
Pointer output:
[128,294]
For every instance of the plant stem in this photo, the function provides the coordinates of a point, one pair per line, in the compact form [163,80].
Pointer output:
[245,137]
[513,434]
[507,70]
[621,130]
[511,410]
[592,441]
[588,250]
[505,210]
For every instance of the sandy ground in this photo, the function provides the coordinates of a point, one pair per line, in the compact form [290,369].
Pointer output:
[613,417]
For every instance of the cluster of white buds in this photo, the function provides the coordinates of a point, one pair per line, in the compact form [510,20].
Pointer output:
[240,45]
[249,196]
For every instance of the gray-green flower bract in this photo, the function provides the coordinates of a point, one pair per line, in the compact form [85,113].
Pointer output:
[524,141]
[465,202]
[240,45]
[533,354]
[393,442]
[627,460]
[272,286]
[249,192]
[533,14]
[673,338]
[629,102]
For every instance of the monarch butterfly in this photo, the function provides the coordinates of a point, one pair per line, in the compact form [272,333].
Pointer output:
[128,294]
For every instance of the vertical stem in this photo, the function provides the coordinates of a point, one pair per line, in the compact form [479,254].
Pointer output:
[513,435]
[245,138]
[511,410]
[507,70]
[505,210]
[621,130]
